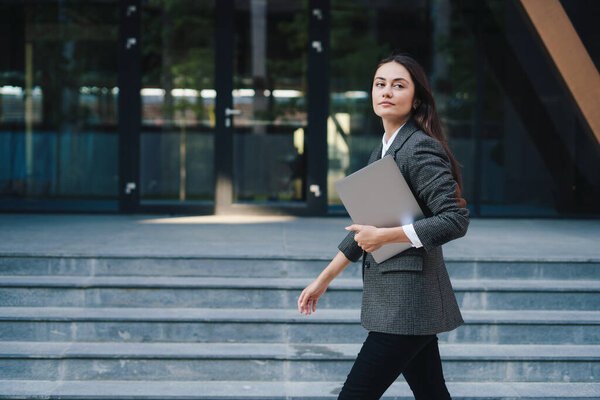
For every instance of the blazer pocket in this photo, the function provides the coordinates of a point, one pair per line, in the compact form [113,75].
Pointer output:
[409,260]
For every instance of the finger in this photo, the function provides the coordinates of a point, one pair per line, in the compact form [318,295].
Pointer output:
[306,305]
[314,307]
[354,227]
[301,302]
[305,302]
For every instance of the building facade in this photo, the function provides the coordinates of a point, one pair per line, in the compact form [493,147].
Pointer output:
[259,106]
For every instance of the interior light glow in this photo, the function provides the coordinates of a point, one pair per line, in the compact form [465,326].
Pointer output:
[356,94]
[208,93]
[14,90]
[287,93]
[243,92]
[180,92]
[153,92]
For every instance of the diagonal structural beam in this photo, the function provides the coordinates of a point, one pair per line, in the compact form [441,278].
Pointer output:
[569,55]
[515,82]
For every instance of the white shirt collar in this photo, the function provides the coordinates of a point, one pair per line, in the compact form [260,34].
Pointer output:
[387,145]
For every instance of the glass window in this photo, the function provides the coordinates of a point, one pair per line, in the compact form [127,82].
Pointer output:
[376,29]
[270,94]
[178,101]
[58,105]
[508,117]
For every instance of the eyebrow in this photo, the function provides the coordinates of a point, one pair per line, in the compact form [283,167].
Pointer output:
[393,80]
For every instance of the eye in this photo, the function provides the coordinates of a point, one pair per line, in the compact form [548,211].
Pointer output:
[398,85]
[379,84]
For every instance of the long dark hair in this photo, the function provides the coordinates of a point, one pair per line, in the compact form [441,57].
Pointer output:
[425,114]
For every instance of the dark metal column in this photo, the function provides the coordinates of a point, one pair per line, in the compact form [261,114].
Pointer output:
[129,105]
[318,107]
[223,149]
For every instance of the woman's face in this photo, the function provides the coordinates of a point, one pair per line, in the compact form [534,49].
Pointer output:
[393,91]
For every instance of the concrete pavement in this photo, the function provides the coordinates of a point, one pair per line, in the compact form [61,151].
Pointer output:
[272,237]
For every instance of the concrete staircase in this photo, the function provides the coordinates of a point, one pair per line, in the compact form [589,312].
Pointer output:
[95,327]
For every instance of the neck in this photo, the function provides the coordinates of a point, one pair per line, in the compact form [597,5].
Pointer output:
[391,125]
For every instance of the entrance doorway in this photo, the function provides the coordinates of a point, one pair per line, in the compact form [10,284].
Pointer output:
[232,119]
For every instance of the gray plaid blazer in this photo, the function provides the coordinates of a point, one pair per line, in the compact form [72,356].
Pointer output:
[411,293]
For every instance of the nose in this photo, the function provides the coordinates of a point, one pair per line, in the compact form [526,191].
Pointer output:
[386,91]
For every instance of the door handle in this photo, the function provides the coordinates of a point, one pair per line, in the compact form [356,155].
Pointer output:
[315,189]
[232,111]
[129,187]
[228,113]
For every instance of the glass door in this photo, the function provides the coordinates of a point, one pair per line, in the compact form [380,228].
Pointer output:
[177,104]
[268,117]
[226,109]
[269,101]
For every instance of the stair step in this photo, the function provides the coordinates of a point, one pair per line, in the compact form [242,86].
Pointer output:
[278,267]
[128,324]
[287,351]
[77,291]
[252,390]
[279,361]
[274,315]
[277,325]
[279,283]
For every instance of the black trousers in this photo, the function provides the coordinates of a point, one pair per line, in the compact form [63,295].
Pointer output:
[383,357]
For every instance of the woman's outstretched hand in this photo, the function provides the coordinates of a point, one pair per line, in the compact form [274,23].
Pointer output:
[368,237]
[307,302]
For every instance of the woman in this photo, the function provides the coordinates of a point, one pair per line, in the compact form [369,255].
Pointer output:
[408,298]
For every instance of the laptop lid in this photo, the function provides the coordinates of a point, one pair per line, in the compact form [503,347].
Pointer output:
[378,195]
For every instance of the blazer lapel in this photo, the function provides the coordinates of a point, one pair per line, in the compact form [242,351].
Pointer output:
[408,129]
[376,154]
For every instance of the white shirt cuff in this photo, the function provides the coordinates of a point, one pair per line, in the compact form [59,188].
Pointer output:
[409,230]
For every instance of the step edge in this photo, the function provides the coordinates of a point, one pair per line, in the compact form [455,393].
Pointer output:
[491,259]
[281,351]
[575,390]
[344,284]
[349,316]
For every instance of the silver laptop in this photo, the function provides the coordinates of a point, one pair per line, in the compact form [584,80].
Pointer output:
[378,195]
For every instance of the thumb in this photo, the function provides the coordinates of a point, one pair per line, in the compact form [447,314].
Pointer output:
[354,227]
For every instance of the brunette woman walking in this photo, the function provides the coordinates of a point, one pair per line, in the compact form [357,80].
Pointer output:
[408,298]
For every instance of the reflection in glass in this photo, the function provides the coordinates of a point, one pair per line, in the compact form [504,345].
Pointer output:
[270,92]
[490,111]
[178,100]
[58,104]
[352,129]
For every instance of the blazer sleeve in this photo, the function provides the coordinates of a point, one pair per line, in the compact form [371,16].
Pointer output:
[350,248]
[429,171]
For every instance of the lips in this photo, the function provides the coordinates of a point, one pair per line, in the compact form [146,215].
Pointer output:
[386,103]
